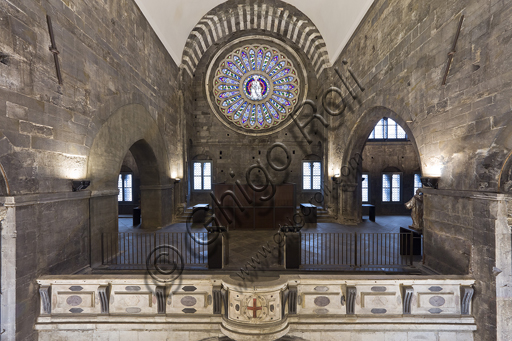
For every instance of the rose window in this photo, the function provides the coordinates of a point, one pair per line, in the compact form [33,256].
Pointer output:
[256,87]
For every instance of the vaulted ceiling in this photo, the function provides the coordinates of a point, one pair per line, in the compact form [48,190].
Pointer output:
[173,20]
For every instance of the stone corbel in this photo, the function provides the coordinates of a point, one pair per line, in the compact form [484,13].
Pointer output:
[407,300]
[466,295]
[351,300]
[45,291]
[220,298]
[160,299]
[290,296]
[103,293]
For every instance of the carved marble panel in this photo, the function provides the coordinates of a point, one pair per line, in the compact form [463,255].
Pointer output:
[133,299]
[191,299]
[379,300]
[254,307]
[321,299]
[67,299]
[439,300]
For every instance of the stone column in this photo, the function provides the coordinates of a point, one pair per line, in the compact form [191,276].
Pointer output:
[8,269]
[503,269]
[103,211]
[351,209]
[156,206]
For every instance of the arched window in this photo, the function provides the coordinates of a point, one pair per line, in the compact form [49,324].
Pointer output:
[387,129]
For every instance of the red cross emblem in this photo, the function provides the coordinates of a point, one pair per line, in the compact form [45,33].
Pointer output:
[254,307]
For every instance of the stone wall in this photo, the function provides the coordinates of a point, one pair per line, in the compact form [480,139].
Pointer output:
[379,156]
[110,59]
[52,238]
[461,129]
[232,151]
[460,238]
[400,53]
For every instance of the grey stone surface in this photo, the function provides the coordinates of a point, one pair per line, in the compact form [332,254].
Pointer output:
[47,130]
[121,87]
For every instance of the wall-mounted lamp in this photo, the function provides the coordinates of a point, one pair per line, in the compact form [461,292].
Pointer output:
[430,182]
[79,185]
[177,180]
[336,175]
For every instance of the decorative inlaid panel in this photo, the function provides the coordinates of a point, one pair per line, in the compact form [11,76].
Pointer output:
[75,300]
[435,300]
[378,300]
[258,307]
[190,299]
[321,299]
[132,299]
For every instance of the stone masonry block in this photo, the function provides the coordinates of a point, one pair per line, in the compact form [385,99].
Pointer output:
[35,129]
[16,111]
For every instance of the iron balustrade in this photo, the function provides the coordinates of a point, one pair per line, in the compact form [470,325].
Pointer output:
[318,250]
[357,250]
[132,249]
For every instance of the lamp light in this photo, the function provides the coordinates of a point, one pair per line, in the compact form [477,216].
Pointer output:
[177,180]
[79,185]
[336,175]
[429,181]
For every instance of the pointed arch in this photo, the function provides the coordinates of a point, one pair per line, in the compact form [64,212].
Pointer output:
[365,125]
[351,204]
[131,125]
[4,183]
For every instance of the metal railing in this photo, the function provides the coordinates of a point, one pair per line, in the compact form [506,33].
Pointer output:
[318,250]
[353,250]
[132,249]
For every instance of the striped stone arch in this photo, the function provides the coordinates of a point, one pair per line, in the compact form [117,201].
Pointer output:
[282,19]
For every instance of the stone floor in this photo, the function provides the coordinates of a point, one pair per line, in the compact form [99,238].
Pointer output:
[382,224]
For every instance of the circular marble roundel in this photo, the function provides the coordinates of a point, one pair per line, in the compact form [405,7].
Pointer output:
[256,87]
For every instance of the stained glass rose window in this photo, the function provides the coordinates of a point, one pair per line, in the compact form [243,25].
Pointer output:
[256,87]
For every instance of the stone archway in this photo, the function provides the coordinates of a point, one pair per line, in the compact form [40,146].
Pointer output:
[4,184]
[132,128]
[351,204]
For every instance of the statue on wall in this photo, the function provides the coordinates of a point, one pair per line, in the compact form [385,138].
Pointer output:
[416,205]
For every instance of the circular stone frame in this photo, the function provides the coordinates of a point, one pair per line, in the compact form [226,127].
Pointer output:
[220,57]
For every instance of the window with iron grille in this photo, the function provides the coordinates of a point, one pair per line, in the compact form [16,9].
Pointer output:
[366,187]
[125,187]
[387,129]
[202,175]
[391,187]
[311,175]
